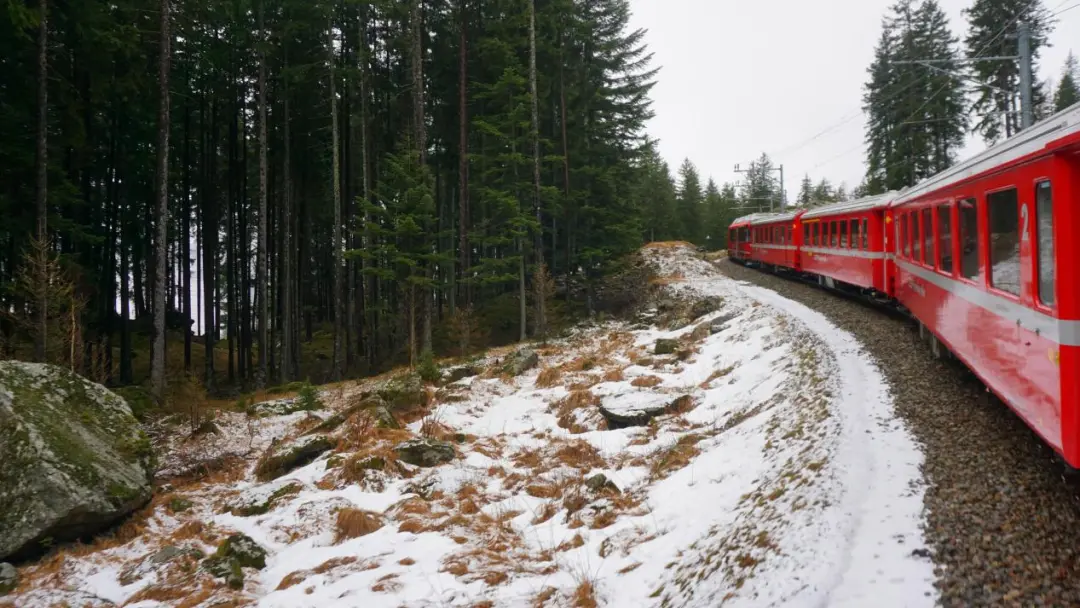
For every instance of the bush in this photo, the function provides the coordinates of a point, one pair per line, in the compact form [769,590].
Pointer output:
[308,398]
[426,368]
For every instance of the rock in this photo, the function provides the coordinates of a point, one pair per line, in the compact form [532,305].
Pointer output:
[404,392]
[718,324]
[292,455]
[233,554]
[600,483]
[521,361]
[384,419]
[73,459]
[425,452]
[260,500]
[9,578]
[334,461]
[277,407]
[166,554]
[702,307]
[631,410]
[207,427]
[460,373]
[665,346]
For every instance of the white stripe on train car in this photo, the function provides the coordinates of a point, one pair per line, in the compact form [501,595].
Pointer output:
[851,253]
[1060,331]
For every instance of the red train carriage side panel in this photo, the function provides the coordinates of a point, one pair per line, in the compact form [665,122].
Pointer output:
[845,242]
[986,258]
[776,239]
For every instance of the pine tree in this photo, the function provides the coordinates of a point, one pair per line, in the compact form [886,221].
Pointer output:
[161,211]
[806,192]
[762,191]
[688,202]
[715,216]
[991,33]
[656,190]
[1068,93]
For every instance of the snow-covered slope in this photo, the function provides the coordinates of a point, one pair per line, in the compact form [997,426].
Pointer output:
[779,476]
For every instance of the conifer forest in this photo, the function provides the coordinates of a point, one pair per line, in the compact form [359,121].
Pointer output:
[245,193]
[249,192]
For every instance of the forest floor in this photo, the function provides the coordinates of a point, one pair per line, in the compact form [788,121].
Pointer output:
[778,475]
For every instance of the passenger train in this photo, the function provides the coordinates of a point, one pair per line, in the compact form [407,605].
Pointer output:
[982,256]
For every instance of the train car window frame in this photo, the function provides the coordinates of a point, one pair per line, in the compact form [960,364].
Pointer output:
[916,237]
[865,234]
[929,237]
[968,210]
[904,250]
[843,238]
[1044,283]
[853,234]
[1007,202]
[945,262]
[834,235]
[806,234]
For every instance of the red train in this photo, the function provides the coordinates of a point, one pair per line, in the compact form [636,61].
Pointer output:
[980,255]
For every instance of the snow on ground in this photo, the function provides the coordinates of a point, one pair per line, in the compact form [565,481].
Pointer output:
[778,476]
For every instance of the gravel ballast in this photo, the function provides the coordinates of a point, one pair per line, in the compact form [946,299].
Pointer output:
[1003,523]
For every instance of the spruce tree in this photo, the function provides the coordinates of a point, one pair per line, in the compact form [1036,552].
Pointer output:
[992,33]
[689,202]
[1067,92]
[806,189]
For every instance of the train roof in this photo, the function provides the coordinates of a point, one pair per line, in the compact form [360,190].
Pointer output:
[1028,141]
[861,204]
[753,218]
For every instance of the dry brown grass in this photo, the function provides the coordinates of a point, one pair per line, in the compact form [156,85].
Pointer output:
[584,596]
[682,405]
[546,513]
[387,584]
[354,523]
[614,374]
[630,568]
[581,363]
[412,526]
[579,455]
[670,459]
[668,245]
[565,408]
[646,381]
[573,543]
[408,561]
[541,490]
[549,377]
[456,568]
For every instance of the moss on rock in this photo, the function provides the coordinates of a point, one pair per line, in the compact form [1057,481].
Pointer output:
[290,456]
[73,459]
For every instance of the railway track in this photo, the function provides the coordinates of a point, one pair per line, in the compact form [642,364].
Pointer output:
[1002,513]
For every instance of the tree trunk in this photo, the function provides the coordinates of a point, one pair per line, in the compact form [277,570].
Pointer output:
[463,158]
[42,170]
[157,362]
[420,130]
[185,246]
[539,321]
[367,282]
[260,257]
[287,309]
[337,244]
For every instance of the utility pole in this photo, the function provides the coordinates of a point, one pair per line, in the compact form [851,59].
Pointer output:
[782,204]
[1023,33]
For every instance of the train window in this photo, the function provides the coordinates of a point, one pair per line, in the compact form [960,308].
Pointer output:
[969,239]
[945,263]
[854,234]
[903,235]
[843,235]
[816,239]
[1004,221]
[865,234]
[928,235]
[806,234]
[1044,227]
[916,240]
[833,234]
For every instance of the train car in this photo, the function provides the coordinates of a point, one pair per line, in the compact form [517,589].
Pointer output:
[844,244]
[776,239]
[739,240]
[986,261]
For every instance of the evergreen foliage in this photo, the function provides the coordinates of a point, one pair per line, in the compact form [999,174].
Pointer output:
[992,33]
[1068,93]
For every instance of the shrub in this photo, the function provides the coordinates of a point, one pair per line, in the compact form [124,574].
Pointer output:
[308,398]
[427,369]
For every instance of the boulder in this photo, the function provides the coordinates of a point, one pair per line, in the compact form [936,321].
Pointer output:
[292,455]
[718,324]
[9,578]
[378,407]
[704,306]
[404,392]
[665,346]
[521,361]
[233,554]
[600,483]
[631,410]
[425,452]
[460,373]
[73,458]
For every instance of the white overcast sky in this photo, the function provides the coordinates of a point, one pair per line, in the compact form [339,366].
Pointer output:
[742,77]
